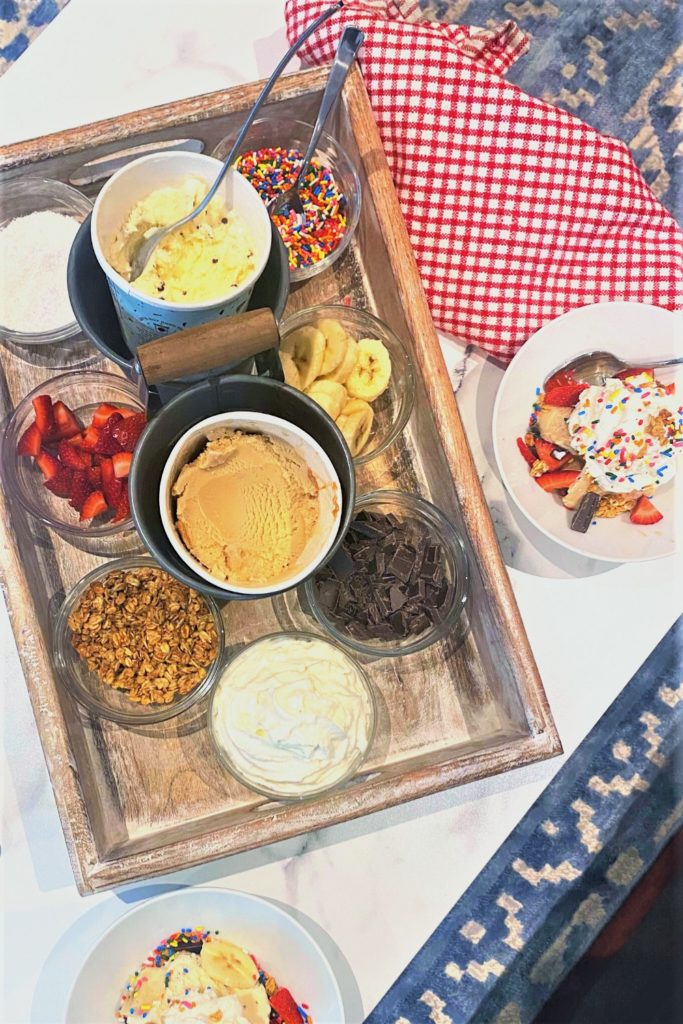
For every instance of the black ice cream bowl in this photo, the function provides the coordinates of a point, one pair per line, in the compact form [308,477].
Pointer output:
[96,314]
[430,522]
[243,394]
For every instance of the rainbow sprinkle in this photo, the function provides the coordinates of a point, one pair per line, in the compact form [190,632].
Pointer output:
[309,239]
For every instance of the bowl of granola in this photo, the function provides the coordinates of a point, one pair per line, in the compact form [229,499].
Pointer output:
[593,465]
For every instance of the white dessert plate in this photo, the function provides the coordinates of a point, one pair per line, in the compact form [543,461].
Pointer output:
[280,944]
[635,333]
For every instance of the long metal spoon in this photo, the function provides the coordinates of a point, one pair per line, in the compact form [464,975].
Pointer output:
[143,253]
[596,367]
[349,44]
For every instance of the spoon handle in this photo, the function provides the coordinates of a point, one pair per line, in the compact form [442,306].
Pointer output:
[263,95]
[666,362]
[349,44]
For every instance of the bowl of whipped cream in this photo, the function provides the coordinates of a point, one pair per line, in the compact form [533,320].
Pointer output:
[292,716]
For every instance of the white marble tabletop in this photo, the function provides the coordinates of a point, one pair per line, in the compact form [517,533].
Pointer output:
[371,890]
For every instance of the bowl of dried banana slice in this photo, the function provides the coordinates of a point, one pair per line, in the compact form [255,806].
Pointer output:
[355,367]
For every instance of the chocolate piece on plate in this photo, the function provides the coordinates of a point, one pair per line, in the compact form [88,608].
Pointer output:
[583,516]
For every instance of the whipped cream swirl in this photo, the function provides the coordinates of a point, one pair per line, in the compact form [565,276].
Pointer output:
[628,433]
[292,714]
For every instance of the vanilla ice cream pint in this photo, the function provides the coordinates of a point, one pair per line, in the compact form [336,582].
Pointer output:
[292,714]
[205,269]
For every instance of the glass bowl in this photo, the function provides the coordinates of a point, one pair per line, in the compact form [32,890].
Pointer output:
[270,132]
[82,391]
[86,687]
[393,408]
[406,507]
[272,791]
[22,197]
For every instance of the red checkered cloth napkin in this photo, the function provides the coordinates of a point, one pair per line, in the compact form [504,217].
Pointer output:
[517,211]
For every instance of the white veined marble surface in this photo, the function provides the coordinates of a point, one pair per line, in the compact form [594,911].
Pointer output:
[371,890]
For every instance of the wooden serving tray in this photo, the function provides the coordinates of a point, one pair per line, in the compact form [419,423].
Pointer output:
[137,802]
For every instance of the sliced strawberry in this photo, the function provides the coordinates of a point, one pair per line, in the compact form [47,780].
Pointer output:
[566,394]
[545,452]
[93,505]
[633,371]
[670,389]
[73,457]
[527,453]
[284,1004]
[88,439]
[95,476]
[122,505]
[127,431]
[121,463]
[560,380]
[30,441]
[102,414]
[557,480]
[644,513]
[107,443]
[45,418]
[61,483]
[66,422]
[81,487]
[111,487]
[49,465]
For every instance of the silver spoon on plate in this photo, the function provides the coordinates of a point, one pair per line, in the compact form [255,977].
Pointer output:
[596,367]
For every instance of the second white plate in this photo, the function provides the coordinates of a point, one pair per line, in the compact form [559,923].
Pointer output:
[634,332]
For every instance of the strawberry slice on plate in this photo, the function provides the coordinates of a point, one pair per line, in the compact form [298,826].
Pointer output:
[557,480]
[30,441]
[526,451]
[565,394]
[545,453]
[560,379]
[284,1004]
[644,513]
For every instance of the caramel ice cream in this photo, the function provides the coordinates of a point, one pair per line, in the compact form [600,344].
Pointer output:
[246,508]
[200,261]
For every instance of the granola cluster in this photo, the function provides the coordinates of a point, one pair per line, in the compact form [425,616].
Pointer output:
[144,632]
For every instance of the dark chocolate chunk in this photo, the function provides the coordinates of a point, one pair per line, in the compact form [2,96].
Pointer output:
[389,582]
[583,516]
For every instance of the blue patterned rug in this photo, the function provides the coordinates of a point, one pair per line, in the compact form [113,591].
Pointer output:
[564,871]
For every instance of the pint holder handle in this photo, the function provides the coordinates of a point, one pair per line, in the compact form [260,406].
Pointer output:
[209,346]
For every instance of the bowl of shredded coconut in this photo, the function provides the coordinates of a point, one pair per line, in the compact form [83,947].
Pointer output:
[38,223]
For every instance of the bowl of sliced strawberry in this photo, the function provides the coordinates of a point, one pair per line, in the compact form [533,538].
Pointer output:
[67,452]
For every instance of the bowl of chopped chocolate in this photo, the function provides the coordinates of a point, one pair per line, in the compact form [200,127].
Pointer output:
[399,582]
[136,646]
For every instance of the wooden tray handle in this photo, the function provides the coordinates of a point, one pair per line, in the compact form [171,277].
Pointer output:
[208,346]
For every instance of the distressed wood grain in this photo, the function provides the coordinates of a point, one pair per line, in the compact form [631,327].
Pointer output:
[137,802]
